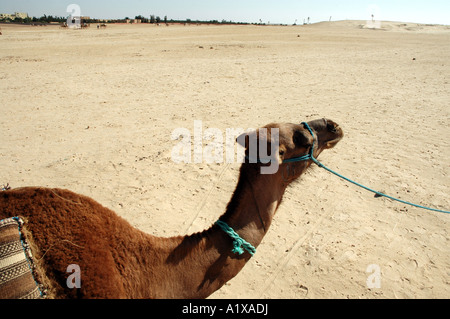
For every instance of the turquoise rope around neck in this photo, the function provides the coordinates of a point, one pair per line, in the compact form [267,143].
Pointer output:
[239,244]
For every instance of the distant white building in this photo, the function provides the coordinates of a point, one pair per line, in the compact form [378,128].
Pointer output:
[20,15]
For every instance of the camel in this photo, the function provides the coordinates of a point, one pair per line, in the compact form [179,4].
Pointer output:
[117,260]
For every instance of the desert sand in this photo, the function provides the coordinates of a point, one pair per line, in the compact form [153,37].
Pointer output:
[93,111]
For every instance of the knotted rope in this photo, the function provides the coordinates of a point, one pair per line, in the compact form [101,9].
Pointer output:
[239,244]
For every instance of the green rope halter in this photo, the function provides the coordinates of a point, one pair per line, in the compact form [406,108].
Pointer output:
[239,244]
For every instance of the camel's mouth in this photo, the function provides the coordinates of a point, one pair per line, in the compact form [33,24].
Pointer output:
[334,128]
[332,143]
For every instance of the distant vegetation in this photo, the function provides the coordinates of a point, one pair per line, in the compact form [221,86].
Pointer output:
[29,20]
[152,19]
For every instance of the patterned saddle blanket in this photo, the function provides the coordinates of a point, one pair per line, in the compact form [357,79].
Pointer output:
[16,263]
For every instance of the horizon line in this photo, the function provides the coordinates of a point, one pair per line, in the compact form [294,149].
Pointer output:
[223,21]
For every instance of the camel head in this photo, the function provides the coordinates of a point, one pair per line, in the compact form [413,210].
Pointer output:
[278,145]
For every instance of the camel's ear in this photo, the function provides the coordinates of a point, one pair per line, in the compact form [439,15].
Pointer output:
[259,146]
[302,138]
[245,138]
[252,139]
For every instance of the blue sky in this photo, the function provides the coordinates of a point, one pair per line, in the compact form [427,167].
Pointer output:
[275,11]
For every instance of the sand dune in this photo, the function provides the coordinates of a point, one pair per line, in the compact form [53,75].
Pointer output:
[93,111]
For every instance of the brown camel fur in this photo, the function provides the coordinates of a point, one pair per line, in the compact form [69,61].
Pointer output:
[119,261]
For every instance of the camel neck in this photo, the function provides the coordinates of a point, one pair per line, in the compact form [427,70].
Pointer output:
[202,262]
[253,205]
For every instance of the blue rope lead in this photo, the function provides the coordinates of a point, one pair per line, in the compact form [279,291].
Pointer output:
[310,156]
[376,192]
[238,242]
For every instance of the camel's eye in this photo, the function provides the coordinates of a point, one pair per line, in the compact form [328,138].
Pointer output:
[331,128]
[281,152]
